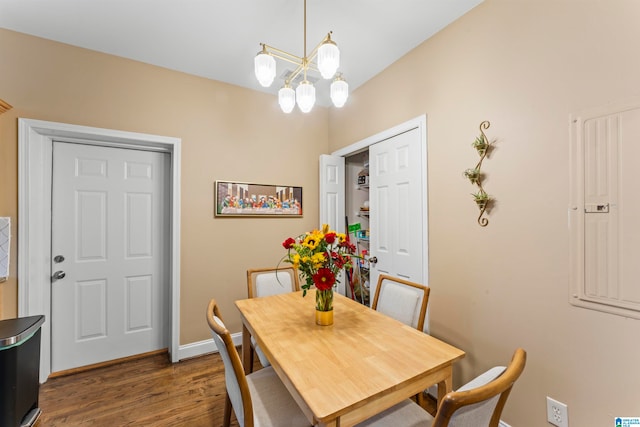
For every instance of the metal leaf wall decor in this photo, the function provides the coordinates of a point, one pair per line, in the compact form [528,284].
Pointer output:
[482,199]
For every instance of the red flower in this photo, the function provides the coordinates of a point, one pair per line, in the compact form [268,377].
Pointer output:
[288,244]
[338,259]
[324,279]
[351,248]
[330,238]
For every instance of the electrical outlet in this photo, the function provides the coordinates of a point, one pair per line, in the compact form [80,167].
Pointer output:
[557,413]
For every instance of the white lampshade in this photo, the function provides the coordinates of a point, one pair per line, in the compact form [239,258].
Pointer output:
[328,59]
[339,92]
[287,99]
[265,68]
[305,96]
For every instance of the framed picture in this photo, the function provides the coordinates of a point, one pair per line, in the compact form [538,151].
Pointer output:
[244,199]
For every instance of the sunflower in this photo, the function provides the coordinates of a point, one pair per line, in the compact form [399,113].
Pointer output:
[312,240]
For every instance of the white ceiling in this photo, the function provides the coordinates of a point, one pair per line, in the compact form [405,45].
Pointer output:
[218,39]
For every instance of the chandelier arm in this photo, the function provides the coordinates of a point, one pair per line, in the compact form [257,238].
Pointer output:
[281,54]
[295,74]
[294,61]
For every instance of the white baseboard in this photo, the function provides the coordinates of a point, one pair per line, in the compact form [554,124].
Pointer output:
[200,348]
[503,424]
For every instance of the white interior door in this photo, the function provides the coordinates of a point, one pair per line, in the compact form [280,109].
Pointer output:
[397,208]
[110,224]
[332,193]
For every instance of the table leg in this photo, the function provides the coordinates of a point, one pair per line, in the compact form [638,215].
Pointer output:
[246,349]
[444,387]
[334,423]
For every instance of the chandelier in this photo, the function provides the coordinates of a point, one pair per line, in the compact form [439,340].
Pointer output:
[327,60]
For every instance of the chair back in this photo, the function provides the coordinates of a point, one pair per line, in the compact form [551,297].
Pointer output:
[264,282]
[401,299]
[235,380]
[480,402]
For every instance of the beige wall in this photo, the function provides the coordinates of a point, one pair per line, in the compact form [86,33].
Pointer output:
[227,133]
[524,65]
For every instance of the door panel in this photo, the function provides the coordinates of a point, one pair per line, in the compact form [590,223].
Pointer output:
[91,234]
[91,309]
[109,221]
[139,298]
[138,220]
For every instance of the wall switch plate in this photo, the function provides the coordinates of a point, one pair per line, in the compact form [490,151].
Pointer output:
[557,413]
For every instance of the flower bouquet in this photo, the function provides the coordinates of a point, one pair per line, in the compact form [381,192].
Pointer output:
[319,256]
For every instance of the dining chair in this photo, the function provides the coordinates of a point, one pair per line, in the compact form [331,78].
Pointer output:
[401,299]
[258,399]
[264,282]
[479,403]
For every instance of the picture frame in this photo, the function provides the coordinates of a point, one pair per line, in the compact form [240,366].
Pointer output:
[243,199]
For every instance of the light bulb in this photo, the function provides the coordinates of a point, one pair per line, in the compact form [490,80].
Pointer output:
[305,96]
[328,59]
[265,68]
[339,92]
[287,98]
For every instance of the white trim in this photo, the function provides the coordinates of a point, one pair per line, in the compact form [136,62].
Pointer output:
[200,348]
[503,424]
[34,217]
[420,123]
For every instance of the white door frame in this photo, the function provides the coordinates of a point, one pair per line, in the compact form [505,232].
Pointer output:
[420,123]
[35,139]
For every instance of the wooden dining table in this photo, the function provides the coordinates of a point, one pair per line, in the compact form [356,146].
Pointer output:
[347,372]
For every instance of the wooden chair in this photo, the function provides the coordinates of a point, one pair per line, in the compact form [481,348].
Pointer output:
[478,403]
[481,401]
[258,399]
[401,299]
[272,281]
[264,282]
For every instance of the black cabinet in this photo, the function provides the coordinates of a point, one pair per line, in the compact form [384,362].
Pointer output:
[19,371]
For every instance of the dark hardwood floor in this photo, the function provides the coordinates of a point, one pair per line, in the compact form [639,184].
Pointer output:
[150,391]
[145,392]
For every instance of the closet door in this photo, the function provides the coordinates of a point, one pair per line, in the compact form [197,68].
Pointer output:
[332,194]
[397,209]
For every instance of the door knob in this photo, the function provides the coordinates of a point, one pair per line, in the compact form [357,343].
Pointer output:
[373,260]
[59,275]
